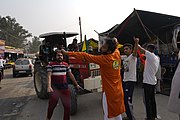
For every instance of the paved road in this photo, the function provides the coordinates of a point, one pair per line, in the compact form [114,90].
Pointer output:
[15,93]
[89,108]
[19,102]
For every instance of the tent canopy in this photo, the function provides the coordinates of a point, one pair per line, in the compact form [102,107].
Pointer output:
[148,26]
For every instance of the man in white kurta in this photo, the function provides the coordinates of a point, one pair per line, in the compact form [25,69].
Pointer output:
[174,99]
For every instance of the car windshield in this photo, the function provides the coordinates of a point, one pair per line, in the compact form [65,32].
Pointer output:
[22,62]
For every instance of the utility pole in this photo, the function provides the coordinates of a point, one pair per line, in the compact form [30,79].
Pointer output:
[80,29]
[26,49]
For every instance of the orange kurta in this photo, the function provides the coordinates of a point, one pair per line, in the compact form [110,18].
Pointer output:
[111,79]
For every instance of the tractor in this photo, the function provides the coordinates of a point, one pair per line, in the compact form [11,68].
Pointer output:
[86,74]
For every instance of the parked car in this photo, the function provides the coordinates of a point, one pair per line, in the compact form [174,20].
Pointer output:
[23,66]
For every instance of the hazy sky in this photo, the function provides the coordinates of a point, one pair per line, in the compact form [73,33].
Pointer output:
[41,16]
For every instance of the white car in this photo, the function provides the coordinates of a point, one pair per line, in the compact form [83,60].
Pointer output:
[23,66]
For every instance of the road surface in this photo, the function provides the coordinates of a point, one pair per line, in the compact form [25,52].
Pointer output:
[18,101]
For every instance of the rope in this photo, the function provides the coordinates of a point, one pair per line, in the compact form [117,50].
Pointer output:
[154,34]
[142,24]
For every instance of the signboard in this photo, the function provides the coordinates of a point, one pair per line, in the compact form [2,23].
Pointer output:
[2,48]
[10,49]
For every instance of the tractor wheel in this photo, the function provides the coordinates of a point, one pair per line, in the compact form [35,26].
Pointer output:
[73,100]
[76,74]
[40,81]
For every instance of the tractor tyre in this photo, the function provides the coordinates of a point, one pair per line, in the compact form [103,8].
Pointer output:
[76,74]
[73,100]
[40,81]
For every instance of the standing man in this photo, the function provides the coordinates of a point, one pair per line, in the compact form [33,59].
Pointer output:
[150,80]
[73,46]
[58,85]
[158,76]
[1,69]
[174,99]
[129,79]
[112,91]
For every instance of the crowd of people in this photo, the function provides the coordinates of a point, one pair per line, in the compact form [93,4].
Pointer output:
[118,79]
[151,63]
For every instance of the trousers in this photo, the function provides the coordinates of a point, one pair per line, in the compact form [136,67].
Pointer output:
[150,102]
[64,95]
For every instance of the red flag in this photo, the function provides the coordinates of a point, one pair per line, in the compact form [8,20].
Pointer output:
[141,56]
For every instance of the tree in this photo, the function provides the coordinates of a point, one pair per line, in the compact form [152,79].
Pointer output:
[12,32]
[34,45]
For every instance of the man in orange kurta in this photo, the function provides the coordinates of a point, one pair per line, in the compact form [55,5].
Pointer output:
[109,62]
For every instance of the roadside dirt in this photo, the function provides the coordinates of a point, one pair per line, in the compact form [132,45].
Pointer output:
[14,94]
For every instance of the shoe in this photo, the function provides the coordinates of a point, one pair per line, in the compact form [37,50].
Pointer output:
[158,117]
[125,118]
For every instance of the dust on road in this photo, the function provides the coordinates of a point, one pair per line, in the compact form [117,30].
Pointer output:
[15,93]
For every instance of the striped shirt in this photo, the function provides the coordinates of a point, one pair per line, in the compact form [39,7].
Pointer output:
[58,77]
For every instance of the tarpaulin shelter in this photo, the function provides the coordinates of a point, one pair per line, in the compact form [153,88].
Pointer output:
[149,26]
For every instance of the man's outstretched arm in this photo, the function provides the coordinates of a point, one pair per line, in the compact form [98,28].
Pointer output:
[141,49]
[98,59]
[136,40]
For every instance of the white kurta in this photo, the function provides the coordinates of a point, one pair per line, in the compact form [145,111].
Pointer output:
[174,99]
